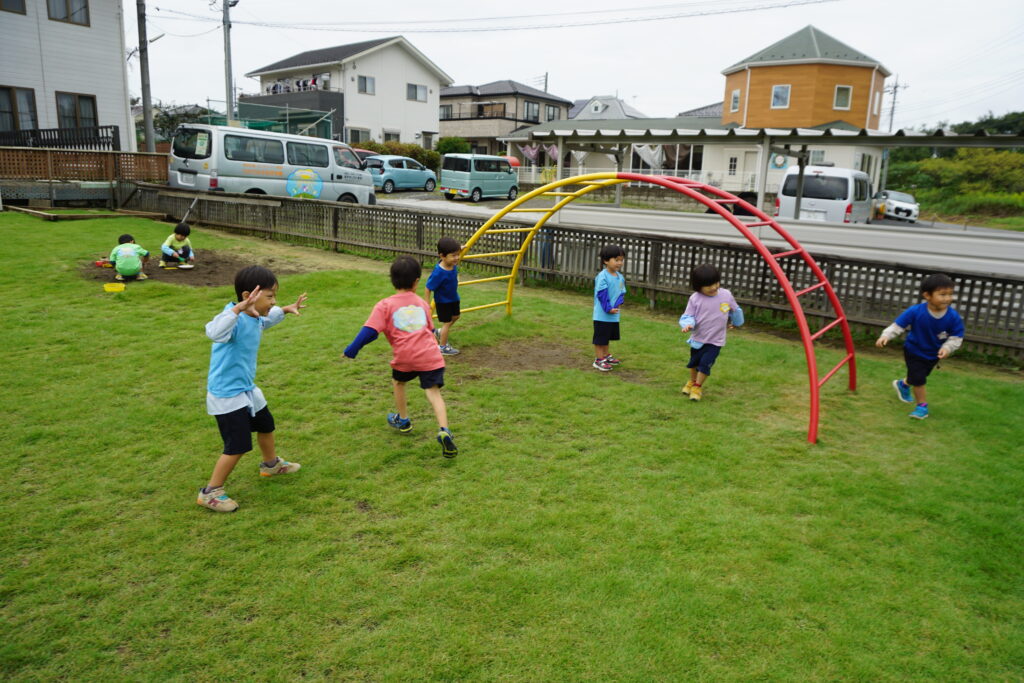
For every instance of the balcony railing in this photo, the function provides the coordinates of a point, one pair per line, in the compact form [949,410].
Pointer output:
[100,138]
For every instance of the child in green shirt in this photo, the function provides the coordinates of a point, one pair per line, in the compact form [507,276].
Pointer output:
[127,258]
[177,248]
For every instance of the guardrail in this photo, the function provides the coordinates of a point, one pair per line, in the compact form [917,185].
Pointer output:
[658,267]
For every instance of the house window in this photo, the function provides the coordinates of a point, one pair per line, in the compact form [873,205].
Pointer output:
[531,111]
[734,101]
[817,157]
[732,165]
[71,11]
[844,94]
[368,85]
[780,97]
[490,110]
[446,112]
[415,92]
[428,141]
[878,102]
[17,109]
[357,135]
[551,112]
[595,108]
[392,137]
[76,111]
[13,6]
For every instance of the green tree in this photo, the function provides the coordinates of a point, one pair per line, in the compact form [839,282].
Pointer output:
[168,118]
[452,146]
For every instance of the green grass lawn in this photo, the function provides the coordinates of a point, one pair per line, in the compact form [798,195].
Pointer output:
[593,527]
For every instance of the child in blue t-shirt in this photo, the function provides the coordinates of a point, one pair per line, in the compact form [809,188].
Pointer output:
[609,295]
[232,396]
[936,331]
[443,285]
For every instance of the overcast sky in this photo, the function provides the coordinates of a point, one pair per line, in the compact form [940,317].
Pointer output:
[960,59]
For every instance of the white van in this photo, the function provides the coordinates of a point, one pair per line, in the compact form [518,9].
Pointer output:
[837,195]
[249,161]
[477,176]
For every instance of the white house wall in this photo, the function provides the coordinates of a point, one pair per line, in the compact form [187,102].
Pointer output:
[55,56]
[716,164]
[388,109]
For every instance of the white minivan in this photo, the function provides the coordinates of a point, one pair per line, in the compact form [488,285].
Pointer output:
[230,159]
[837,195]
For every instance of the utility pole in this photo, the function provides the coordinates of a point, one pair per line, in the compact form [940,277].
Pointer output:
[894,89]
[228,81]
[147,103]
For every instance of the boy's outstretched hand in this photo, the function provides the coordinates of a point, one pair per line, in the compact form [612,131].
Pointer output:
[294,308]
[881,342]
[248,302]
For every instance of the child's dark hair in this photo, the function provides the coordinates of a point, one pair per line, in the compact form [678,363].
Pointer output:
[610,251]
[936,281]
[182,229]
[448,245]
[704,275]
[405,271]
[125,239]
[250,277]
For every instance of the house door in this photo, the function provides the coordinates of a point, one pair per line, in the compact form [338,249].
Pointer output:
[749,181]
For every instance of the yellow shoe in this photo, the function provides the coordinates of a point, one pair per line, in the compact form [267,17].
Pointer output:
[142,276]
[688,386]
[695,392]
[119,277]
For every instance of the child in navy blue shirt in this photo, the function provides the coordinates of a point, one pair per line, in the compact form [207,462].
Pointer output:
[936,330]
[443,285]
[232,396]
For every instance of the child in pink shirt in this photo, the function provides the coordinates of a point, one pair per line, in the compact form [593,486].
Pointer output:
[405,320]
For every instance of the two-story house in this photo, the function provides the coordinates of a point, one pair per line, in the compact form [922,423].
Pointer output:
[63,75]
[481,114]
[381,90]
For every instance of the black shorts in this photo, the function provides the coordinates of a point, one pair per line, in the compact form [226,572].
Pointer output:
[428,378]
[236,428]
[704,357]
[918,368]
[447,311]
[605,332]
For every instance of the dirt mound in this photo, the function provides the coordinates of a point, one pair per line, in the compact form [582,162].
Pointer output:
[213,269]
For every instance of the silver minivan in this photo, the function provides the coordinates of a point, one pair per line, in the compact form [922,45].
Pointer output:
[230,159]
[475,176]
[836,195]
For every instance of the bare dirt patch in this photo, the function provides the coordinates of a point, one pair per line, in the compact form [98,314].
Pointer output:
[213,269]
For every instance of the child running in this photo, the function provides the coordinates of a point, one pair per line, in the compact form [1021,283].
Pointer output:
[177,248]
[405,320]
[128,259]
[609,294]
[709,312]
[232,396]
[936,330]
[443,285]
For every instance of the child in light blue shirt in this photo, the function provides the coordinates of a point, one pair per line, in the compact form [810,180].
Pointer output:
[609,295]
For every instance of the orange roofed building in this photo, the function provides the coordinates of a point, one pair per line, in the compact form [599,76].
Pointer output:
[805,80]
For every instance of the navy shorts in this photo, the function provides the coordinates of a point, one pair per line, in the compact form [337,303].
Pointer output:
[428,378]
[918,368]
[704,357]
[236,428]
[447,311]
[605,332]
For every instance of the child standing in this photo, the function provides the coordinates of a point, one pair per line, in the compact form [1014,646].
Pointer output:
[127,258]
[709,312]
[444,280]
[936,330]
[405,320]
[232,396]
[177,248]
[609,294]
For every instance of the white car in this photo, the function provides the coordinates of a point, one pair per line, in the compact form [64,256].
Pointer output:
[898,205]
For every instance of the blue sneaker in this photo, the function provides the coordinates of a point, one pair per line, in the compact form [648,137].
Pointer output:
[448,447]
[903,391]
[920,412]
[402,425]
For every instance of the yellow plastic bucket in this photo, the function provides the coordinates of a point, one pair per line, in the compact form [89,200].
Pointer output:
[113,287]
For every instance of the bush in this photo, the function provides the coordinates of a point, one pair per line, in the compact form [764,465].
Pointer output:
[997,204]
[427,157]
[452,146]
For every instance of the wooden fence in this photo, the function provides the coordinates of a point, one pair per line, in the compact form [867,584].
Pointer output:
[23,163]
[873,293]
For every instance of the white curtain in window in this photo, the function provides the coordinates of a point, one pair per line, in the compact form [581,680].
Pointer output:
[653,155]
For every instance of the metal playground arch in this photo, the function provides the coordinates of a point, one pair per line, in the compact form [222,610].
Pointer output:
[717,200]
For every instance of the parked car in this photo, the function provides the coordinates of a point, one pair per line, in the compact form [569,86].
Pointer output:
[898,205]
[837,195]
[363,153]
[392,173]
[475,176]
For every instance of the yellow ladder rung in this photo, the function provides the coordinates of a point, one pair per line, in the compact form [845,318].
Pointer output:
[497,230]
[531,210]
[493,253]
[477,308]
[486,279]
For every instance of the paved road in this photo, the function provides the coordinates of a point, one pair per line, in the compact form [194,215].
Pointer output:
[981,250]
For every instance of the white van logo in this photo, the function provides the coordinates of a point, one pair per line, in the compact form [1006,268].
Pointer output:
[304,182]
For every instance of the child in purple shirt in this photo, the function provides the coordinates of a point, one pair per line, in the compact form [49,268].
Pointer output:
[710,310]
